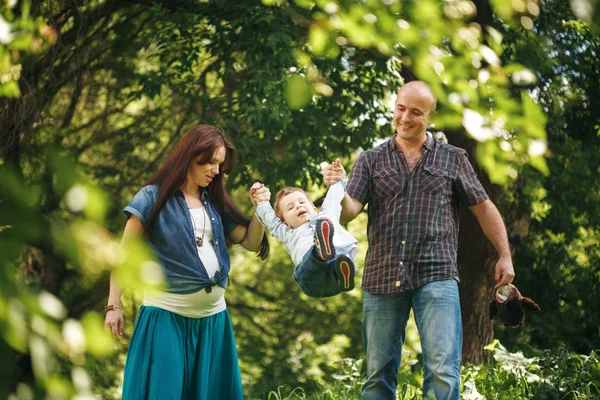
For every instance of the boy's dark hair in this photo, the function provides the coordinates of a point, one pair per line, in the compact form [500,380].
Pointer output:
[284,192]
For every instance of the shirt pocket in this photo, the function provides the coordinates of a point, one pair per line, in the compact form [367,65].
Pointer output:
[386,183]
[435,181]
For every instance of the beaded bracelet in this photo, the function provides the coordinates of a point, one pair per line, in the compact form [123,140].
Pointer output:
[111,307]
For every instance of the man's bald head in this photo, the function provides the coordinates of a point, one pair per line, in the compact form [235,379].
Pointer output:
[422,89]
[415,105]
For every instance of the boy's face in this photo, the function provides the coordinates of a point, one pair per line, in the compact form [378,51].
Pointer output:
[296,209]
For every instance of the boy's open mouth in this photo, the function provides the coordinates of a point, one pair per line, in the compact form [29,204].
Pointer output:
[301,213]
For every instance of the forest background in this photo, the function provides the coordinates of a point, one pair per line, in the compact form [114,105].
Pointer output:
[94,94]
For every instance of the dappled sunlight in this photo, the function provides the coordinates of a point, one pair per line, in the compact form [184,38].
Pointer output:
[95,95]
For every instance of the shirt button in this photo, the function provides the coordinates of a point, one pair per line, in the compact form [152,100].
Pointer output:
[217,242]
[213,219]
[401,263]
[205,202]
[397,283]
[404,242]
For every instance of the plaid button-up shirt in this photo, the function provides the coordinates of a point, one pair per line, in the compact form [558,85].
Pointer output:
[413,215]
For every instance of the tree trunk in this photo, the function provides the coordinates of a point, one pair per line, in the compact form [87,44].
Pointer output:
[476,268]
[476,255]
[476,261]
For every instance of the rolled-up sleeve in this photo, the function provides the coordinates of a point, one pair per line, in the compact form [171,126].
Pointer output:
[140,206]
[470,190]
[359,182]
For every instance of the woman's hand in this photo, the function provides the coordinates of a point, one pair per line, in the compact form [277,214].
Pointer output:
[114,323]
[259,193]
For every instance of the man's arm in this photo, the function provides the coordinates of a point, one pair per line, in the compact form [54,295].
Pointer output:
[351,207]
[493,227]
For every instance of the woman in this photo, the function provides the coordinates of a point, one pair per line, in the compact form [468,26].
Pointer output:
[182,345]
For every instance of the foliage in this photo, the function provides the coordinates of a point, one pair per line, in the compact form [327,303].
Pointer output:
[558,262]
[107,87]
[445,45]
[558,375]
[21,36]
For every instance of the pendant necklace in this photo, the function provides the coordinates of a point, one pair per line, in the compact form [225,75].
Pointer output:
[199,239]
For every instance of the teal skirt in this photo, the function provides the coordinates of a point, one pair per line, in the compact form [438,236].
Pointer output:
[176,357]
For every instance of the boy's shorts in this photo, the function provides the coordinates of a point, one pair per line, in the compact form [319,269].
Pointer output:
[317,278]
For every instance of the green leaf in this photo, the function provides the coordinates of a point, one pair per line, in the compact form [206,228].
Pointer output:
[99,343]
[322,42]
[536,119]
[298,92]
[539,163]
[10,89]
[492,346]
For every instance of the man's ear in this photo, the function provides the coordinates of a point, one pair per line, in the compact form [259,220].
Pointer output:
[530,304]
[315,208]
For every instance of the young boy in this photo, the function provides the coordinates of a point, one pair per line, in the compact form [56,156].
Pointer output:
[322,250]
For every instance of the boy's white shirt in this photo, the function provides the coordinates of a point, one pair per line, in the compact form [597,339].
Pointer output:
[301,240]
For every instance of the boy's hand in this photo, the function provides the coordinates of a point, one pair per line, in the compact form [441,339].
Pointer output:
[259,193]
[333,173]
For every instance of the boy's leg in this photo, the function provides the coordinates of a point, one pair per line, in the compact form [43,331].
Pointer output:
[344,270]
[311,275]
[324,249]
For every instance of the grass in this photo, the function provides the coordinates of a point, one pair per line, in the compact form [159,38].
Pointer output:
[556,375]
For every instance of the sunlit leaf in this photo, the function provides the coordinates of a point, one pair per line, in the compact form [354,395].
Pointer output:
[99,343]
[298,92]
[10,89]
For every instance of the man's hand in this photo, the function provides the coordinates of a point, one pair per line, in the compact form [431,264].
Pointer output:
[505,272]
[334,172]
[259,193]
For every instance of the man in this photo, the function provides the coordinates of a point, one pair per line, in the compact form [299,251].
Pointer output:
[414,185]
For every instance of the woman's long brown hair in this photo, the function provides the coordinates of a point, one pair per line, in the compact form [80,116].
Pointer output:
[201,140]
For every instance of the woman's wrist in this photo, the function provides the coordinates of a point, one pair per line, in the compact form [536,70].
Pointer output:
[111,307]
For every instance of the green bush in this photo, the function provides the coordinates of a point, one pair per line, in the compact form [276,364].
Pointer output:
[512,376]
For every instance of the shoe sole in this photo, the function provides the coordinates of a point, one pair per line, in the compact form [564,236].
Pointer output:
[344,269]
[324,240]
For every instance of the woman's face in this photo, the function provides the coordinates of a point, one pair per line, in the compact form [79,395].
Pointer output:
[203,174]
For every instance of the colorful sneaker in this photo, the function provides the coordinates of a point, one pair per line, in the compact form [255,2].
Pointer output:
[344,270]
[324,250]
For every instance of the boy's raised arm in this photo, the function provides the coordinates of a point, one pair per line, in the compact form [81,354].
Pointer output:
[267,216]
[350,207]
[332,205]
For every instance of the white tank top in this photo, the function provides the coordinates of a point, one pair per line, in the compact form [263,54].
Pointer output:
[199,304]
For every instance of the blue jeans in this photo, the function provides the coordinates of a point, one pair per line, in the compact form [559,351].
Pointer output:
[317,278]
[436,307]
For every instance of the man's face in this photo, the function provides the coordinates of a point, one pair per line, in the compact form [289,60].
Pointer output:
[203,174]
[412,113]
[296,209]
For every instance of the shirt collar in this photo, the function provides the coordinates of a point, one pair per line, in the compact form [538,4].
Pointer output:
[428,144]
[203,193]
